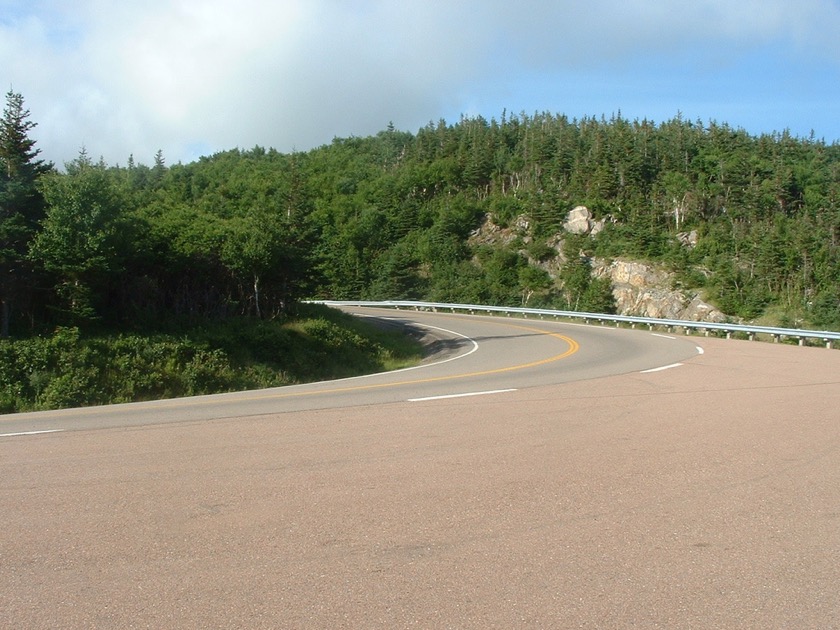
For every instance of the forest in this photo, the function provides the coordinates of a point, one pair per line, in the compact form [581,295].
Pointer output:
[246,234]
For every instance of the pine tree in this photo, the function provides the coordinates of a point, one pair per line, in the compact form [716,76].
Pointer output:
[21,205]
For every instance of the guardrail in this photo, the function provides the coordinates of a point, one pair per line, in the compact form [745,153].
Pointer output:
[777,334]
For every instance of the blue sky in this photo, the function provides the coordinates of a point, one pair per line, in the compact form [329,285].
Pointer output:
[191,77]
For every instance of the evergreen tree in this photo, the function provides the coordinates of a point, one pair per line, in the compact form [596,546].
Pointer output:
[21,205]
[81,237]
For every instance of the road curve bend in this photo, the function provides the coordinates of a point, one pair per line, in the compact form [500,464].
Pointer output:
[469,353]
[532,475]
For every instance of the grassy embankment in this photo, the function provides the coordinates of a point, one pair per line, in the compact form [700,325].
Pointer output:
[72,368]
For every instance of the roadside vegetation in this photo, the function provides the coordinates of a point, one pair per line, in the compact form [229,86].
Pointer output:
[135,281]
[73,368]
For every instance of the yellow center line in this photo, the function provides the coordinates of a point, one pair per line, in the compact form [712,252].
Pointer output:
[213,399]
[574,346]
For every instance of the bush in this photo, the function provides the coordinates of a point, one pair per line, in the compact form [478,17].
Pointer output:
[69,369]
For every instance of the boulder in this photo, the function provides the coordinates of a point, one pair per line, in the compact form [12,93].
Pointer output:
[579,221]
[688,239]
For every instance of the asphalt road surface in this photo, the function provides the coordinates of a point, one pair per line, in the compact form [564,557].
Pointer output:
[530,475]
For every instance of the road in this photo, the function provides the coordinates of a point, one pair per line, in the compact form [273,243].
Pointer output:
[484,353]
[534,474]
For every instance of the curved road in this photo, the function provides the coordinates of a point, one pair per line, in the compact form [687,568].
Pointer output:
[534,474]
[472,354]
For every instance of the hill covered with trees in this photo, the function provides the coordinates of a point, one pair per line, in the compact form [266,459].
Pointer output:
[248,233]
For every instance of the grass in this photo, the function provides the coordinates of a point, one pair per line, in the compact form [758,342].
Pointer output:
[73,368]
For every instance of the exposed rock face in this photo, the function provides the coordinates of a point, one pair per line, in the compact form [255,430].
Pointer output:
[639,289]
[642,291]
[700,311]
[490,232]
[579,221]
[629,273]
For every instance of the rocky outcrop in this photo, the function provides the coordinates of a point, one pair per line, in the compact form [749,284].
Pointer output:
[639,289]
[491,233]
[699,311]
[643,291]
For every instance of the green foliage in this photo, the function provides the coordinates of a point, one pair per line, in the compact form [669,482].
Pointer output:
[81,238]
[767,220]
[505,209]
[392,216]
[236,239]
[541,251]
[21,207]
[69,369]
[582,292]
[536,285]
[825,310]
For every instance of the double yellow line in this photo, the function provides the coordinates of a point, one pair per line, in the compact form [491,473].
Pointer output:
[200,401]
[573,347]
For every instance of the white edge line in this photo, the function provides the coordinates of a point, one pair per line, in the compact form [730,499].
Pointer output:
[31,432]
[663,336]
[700,350]
[495,391]
[659,369]
[166,402]
[423,365]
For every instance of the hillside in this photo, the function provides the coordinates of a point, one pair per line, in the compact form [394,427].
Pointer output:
[637,288]
[747,225]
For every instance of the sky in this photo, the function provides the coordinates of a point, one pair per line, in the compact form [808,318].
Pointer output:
[194,77]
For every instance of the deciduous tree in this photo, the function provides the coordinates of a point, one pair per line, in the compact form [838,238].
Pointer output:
[80,239]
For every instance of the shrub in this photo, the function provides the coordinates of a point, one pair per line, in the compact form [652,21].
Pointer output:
[70,369]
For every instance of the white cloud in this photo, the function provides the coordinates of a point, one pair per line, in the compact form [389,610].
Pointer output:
[133,76]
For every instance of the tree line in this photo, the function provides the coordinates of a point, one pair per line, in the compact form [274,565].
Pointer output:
[248,233]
